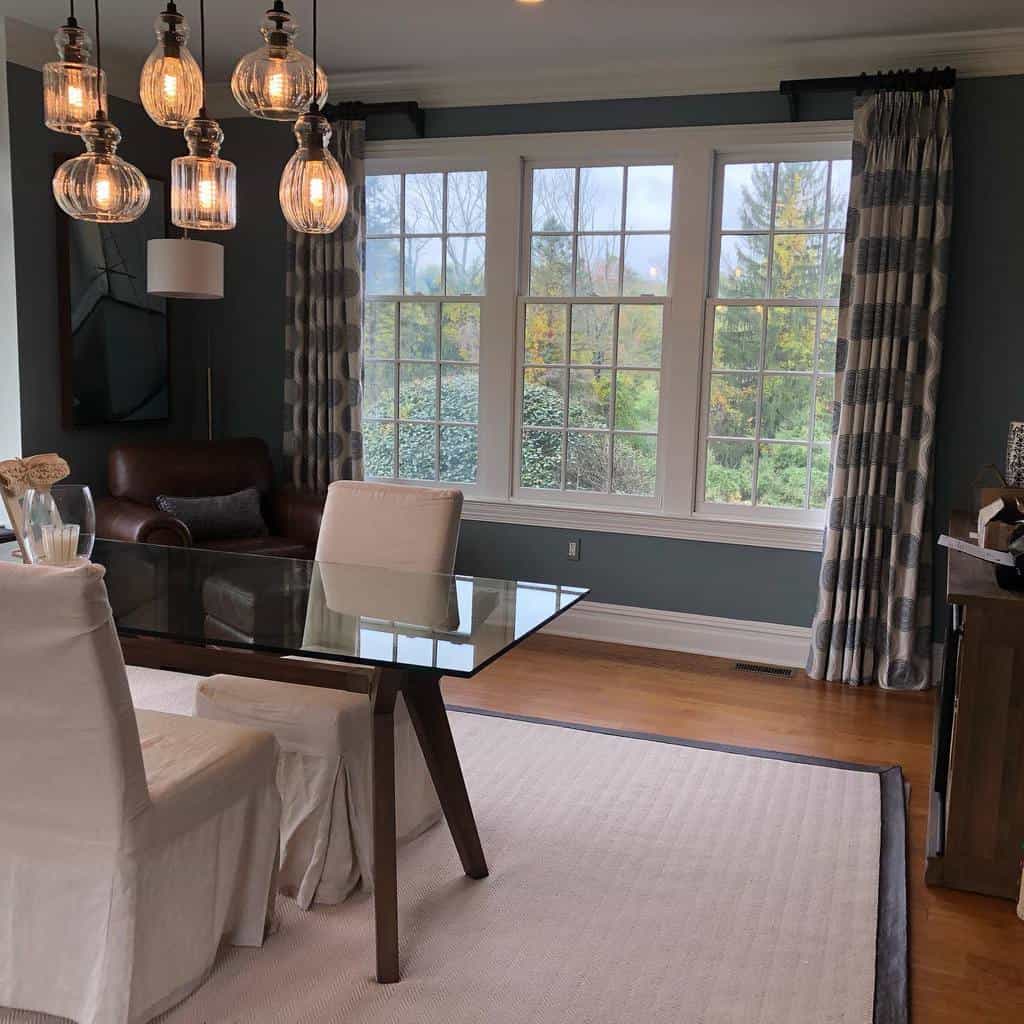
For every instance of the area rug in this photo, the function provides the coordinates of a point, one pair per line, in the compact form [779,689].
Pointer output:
[633,879]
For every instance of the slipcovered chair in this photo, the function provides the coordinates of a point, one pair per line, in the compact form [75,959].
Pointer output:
[131,844]
[324,768]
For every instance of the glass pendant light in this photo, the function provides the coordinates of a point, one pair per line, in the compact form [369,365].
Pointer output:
[277,81]
[99,186]
[203,188]
[73,90]
[171,85]
[313,190]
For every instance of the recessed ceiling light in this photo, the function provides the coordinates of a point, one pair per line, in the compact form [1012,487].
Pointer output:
[529,3]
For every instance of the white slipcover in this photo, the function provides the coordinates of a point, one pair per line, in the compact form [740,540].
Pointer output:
[324,772]
[130,845]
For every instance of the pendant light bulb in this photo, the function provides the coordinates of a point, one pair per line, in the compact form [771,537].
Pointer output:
[277,82]
[313,191]
[73,89]
[203,185]
[171,85]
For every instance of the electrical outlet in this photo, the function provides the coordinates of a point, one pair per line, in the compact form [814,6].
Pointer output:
[574,550]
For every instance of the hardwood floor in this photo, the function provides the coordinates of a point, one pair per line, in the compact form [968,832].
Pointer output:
[967,951]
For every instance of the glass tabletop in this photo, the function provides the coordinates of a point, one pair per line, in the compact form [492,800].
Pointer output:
[356,613]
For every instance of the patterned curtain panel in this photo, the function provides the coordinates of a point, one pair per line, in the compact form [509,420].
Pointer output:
[874,618]
[323,427]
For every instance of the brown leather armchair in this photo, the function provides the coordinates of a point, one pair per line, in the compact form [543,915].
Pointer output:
[139,473]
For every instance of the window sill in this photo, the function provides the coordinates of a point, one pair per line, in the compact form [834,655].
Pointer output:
[785,536]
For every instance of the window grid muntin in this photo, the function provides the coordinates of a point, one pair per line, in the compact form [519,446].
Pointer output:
[618,300]
[825,231]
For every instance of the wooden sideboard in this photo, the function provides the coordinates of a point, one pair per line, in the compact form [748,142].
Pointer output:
[976,817]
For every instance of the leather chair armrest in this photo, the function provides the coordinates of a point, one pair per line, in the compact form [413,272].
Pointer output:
[297,515]
[118,519]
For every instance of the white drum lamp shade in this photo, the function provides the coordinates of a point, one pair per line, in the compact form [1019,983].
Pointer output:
[184,268]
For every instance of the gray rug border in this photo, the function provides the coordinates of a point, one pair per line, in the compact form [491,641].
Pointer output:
[892,998]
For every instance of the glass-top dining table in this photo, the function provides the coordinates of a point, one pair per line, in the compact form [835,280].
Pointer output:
[207,611]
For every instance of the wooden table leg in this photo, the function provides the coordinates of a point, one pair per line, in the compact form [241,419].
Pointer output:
[430,720]
[385,867]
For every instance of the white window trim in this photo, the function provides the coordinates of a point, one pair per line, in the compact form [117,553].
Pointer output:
[695,153]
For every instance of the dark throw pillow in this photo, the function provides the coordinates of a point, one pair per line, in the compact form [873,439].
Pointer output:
[219,517]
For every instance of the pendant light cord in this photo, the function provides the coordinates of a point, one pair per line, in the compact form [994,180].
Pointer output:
[313,106]
[202,55]
[99,61]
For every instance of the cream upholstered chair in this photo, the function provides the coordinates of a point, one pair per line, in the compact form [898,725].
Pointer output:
[131,845]
[324,767]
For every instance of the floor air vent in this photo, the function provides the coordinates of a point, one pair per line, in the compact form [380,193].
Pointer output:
[765,670]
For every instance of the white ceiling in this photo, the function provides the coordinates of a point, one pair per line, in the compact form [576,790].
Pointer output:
[403,41]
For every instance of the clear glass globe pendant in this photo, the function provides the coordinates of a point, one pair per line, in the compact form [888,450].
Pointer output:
[99,186]
[73,89]
[203,189]
[313,191]
[171,84]
[277,81]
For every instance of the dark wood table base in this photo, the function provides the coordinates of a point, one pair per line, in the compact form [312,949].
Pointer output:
[422,694]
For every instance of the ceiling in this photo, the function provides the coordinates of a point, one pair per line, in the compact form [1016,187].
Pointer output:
[453,36]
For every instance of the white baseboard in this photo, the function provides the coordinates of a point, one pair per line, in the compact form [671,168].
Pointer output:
[767,643]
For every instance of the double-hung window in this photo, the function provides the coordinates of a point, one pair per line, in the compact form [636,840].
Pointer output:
[592,313]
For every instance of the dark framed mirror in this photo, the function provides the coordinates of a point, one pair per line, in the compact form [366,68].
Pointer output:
[114,336]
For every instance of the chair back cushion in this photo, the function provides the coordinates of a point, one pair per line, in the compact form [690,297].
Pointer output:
[188,469]
[70,761]
[395,525]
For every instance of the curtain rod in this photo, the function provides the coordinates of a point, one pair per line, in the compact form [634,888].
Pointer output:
[903,80]
[357,111]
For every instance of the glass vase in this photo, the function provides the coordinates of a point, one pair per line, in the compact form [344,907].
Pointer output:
[60,524]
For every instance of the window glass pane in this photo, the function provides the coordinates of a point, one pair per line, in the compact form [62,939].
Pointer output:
[800,194]
[458,454]
[545,333]
[586,462]
[379,330]
[833,266]
[423,266]
[729,476]
[823,401]
[590,393]
[640,335]
[466,265]
[551,265]
[737,339]
[635,464]
[543,398]
[541,460]
[460,393]
[467,202]
[382,257]
[733,405]
[819,477]
[646,265]
[379,448]
[424,204]
[597,264]
[417,451]
[379,390]
[790,344]
[827,339]
[636,400]
[747,197]
[600,199]
[839,193]
[593,331]
[782,475]
[554,198]
[460,331]
[786,407]
[417,391]
[743,267]
[649,198]
[383,204]
[796,266]
[418,330]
